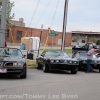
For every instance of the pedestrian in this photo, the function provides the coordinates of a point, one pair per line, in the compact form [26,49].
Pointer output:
[77,46]
[89,59]
[22,47]
[5,44]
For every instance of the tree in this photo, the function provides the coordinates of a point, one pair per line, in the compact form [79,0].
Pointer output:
[98,42]
[9,8]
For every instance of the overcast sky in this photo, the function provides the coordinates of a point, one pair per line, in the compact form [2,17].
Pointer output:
[83,15]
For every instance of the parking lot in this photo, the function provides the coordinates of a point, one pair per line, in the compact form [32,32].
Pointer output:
[55,85]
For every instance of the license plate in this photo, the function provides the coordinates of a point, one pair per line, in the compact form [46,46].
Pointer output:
[3,70]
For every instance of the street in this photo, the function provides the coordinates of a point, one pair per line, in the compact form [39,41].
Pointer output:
[55,85]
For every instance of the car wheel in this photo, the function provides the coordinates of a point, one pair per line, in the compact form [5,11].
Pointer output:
[24,75]
[99,70]
[44,68]
[73,72]
[37,65]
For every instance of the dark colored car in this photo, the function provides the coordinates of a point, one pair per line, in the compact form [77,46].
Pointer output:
[86,46]
[12,61]
[56,60]
[82,58]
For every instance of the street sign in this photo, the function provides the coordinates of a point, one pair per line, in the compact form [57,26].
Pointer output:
[53,33]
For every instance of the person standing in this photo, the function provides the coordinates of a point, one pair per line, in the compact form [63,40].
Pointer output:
[77,46]
[89,59]
[5,44]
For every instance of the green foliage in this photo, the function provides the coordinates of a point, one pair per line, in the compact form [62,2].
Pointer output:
[98,42]
[9,16]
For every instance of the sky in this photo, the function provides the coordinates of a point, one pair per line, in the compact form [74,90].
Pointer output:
[83,15]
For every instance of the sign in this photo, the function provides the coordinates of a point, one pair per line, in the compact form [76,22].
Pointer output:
[53,33]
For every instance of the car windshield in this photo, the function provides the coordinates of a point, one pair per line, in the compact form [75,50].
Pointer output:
[10,52]
[56,54]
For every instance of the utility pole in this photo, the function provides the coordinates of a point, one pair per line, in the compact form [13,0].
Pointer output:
[3,22]
[40,39]
[64,24]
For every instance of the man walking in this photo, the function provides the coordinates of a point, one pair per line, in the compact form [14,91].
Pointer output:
[89,59]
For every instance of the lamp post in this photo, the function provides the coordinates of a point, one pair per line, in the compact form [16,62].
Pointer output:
[64,24]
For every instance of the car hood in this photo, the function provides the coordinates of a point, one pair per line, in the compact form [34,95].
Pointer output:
[86,59]
[11,58]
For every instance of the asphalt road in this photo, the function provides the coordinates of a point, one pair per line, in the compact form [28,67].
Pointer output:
[55,85]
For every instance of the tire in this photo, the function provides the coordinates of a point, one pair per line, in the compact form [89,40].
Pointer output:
[73,72]
[24,75]
[37,65]
[44,68]
[99,70]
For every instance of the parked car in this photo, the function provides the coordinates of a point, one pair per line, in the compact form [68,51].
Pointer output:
[56,60]
[82,58]
[85,48]
[12,61]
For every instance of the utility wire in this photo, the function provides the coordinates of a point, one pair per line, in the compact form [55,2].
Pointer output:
[43,13]
[54,14]
[34,13]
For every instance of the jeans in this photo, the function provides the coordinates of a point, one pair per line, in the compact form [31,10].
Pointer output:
[89,67]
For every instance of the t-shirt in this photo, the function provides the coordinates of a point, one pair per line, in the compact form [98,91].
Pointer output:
[77,46]
[91,52]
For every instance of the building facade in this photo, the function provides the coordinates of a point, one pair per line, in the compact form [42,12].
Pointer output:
[18,32]
[18,23]
[84,37]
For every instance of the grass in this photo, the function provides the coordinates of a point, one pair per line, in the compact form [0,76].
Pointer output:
[31,63]
[69,51]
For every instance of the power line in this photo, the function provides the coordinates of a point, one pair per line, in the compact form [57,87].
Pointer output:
[54,14]
[43,13]
[34,13]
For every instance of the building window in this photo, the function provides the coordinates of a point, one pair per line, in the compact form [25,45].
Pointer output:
[19,34]
[7,33]
[59,41]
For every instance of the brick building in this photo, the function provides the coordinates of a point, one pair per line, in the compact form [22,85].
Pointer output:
[18,32]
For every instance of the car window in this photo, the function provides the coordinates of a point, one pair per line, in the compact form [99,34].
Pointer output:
[80,55]
[10,52]
[65,55]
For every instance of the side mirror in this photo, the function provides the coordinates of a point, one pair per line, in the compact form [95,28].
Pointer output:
[24,56]
[42,55]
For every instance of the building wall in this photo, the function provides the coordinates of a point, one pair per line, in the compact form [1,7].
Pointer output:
[79,37]
[36,33]
[18,23]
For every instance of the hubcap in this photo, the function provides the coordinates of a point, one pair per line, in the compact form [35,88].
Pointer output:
[44,67]
[36,64]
